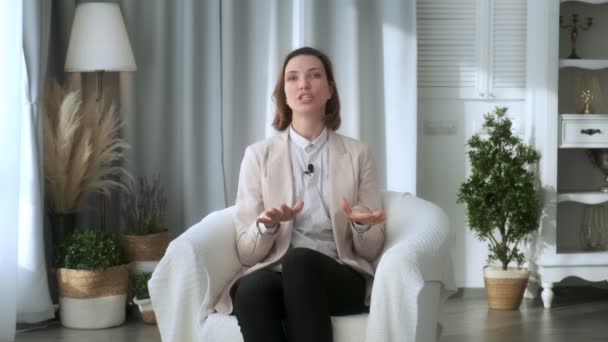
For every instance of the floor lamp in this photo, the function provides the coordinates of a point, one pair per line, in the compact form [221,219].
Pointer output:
[99,43]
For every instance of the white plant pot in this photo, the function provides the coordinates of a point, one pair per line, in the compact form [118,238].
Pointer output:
[93,313]
[146,309]
[138,267]
[92,299]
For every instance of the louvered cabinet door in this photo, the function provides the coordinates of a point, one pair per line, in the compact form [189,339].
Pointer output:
[471,49]
[448,48]
[507,58]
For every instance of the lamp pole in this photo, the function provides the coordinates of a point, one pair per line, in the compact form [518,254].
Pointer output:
[98,43]
[102,198]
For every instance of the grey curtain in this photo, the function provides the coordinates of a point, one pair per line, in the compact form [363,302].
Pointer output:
[206,71]
[33,298]
[173,103]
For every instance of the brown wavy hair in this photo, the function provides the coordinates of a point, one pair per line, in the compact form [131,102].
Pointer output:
[283,115]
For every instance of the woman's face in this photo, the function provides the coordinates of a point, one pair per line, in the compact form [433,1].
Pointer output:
[306,87]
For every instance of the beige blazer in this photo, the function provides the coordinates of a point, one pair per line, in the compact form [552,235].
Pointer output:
[266,181]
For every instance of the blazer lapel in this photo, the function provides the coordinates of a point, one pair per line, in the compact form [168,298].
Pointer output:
[341,178]
[280,177]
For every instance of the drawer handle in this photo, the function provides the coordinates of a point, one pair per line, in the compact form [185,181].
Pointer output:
[591,131]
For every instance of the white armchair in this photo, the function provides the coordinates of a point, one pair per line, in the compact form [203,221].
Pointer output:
[413,278]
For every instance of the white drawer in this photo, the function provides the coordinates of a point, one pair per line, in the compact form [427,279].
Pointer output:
[583,131]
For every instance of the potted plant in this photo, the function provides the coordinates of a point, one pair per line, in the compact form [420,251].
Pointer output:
[82,145]
[502,205]
[142,297]
[92,280]
[145,236]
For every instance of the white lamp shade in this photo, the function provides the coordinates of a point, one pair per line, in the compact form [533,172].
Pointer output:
[99,41]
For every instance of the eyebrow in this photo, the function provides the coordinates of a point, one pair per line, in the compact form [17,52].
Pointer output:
[295,71]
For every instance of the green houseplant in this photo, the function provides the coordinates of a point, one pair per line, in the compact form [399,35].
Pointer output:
[142,296]
[140,285]
[92,280]
[502,203]
[145,236]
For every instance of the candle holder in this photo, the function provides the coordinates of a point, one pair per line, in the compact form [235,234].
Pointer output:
[574,31]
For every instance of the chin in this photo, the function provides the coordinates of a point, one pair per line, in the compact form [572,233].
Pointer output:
[309,110]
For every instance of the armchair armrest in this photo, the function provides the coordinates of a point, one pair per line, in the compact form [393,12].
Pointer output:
[416,251]
[190,277]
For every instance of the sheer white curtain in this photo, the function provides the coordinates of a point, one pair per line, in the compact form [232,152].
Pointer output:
[23,290]
[11,60]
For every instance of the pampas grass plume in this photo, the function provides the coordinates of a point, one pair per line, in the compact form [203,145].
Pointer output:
[82,149]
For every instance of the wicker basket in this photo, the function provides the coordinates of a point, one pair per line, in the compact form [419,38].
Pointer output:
[149,247]
[505,289]
[84,284]
[92,299]
[148,317]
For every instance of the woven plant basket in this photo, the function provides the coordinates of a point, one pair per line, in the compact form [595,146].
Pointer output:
[149,247]
[84,284]
[505,289]
[148,317]
[92,299]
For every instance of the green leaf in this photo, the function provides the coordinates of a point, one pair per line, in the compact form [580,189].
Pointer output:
[90,250]
[140,285]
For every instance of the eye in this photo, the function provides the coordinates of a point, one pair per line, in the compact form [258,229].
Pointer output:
[292,78]
[318,75]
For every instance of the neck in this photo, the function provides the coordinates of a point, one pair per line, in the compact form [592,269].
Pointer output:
[308,127]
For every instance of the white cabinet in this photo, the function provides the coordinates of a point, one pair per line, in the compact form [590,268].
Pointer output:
[471,49]
[569,179]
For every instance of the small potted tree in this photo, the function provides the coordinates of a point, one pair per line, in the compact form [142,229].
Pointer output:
[145,236]
[142,297]
[92,279]
[502,205]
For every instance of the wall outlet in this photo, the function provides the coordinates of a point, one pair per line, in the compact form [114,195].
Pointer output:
[439,127]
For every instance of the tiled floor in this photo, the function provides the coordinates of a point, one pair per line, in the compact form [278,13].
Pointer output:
[578,315]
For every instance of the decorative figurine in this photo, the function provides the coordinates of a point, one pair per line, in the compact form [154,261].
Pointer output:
[587,97]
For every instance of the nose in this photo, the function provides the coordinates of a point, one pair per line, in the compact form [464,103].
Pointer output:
[304,84]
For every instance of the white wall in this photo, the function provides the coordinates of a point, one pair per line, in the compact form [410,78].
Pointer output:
[442,167]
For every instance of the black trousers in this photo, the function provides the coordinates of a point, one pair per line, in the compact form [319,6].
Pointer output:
[296,305]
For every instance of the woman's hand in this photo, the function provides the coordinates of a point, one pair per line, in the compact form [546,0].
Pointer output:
[362,214]
[273,216]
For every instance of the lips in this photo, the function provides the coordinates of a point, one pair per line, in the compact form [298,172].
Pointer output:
[304,98]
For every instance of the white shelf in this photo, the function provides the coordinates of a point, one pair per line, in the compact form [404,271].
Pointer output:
[593,2]
[590,64]
[594,116]
[578,258]
[586,197]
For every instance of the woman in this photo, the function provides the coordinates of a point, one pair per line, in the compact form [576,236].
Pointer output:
[308,254]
